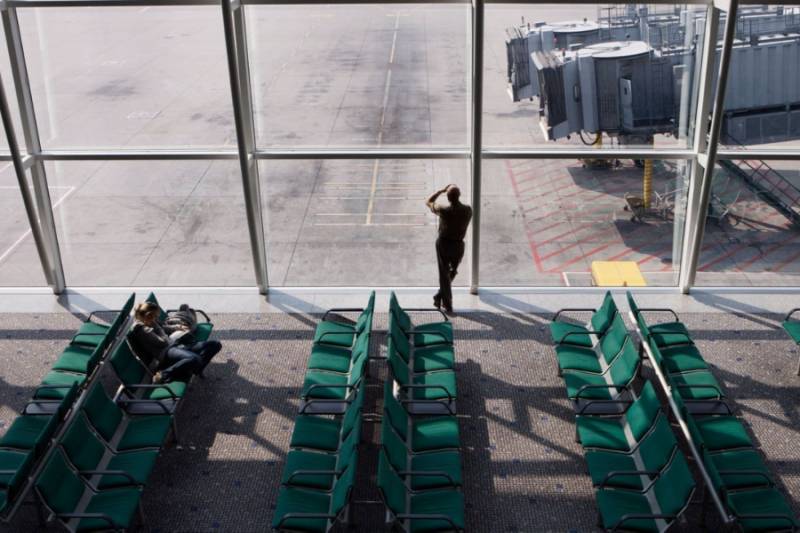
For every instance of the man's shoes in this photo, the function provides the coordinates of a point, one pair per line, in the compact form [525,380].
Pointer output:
[158,378]
[437,302]
[448,309]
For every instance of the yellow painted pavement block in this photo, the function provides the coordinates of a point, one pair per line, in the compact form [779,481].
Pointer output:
[617,274]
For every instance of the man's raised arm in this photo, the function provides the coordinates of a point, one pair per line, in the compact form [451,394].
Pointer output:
[431,201]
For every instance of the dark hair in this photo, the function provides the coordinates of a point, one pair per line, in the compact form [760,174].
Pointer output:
[453,194]
[145,310]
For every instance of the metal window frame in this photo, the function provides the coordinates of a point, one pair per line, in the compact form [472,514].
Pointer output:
[702,154]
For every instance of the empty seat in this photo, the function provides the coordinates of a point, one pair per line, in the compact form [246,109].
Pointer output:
[425,334]
[420,433]
[581,335]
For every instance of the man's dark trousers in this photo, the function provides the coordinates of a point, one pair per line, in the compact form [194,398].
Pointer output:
[448,255]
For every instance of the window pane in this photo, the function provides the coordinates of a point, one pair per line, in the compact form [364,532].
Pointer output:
[154,223]
[358,75]
[544,222]
[129,77]
[752,237]
[356,223]
[559,76]
[20,265]
[762,100]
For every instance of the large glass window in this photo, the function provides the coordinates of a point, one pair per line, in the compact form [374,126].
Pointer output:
[545,222]
[152,77]
[152,223]
[360,75]
[752,235]
[584,75]
[356,223]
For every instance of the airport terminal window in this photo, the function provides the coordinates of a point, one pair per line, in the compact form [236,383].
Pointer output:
[360,75]
[751,235]
[152,223]
[544,222]
[762,100]
[19,262]
[153,77]
[620,76]
[356,223]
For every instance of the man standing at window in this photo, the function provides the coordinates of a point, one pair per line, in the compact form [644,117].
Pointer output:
[453,222]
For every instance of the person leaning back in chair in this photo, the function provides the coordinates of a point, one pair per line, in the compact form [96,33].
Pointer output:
[453,222]
[170,344]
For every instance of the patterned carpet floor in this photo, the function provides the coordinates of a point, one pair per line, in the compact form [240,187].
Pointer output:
[523,470]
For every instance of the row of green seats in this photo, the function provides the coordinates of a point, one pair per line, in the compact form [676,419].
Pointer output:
[338,361]
[319,473]
[736,468]
[29,437]
[95,477]
[422,362]
[677,357]
[598,361]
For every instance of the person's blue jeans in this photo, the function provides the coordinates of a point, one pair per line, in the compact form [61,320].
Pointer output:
[182,361]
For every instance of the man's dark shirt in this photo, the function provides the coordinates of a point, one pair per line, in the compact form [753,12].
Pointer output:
[453,221]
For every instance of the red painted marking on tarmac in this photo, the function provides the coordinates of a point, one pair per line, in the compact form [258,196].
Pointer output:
[572,230]
[532,244]
[576,243]
[780,266]
[561,267]
[770,250]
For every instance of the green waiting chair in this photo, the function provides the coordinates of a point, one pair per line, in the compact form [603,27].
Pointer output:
[415,511]
[15,465]
[423,392]
[420,434]
[425,334]
[609,433]
[92,333]
[792,327]
[633,510]
[699,389]
[338,359]
[655,450]
[106,418]
[326,433]
[33,431]
[576,357]
[582,335]
[86,451]
[343,334]
[314,511]
[77,507]
[421,359]
[426,470]
[318,470]
[136,384]
[715,432]
[603,393]
[330,392]
[665,334]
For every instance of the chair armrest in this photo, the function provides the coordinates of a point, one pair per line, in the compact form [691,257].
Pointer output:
[659,310]
[445,403]
[769,516]
[572,309]
[578,333]
[429,473]
[636,516]
[758,473]
[702,386]
[426,310]
[100,516]
[440,517]
[313,472]
[146,386]
[421,386]
[790,313]
[624,473]
[319,340]
[589,403]
[121,473]
[125,401]
[598,386]
[342,310]
[719,401]
[89,318]
[331,386]
[291,516]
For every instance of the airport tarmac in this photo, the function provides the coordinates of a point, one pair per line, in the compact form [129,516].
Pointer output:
[332,76]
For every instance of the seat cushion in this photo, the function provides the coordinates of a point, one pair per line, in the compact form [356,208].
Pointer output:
[722,432]
[303,460]
[747,459]
[433,333]
[74,358]
[178,388]
[318,377]
[443,502]
[604,433]
[63,379]
[91,334]
[761,501]
[27,432]
[614,504]
[573,357]
[316,433]
[20,462]
[559,329]
[443,383]
[294,500]
[335,333]
[447,462]
[145,432]
[683,359]
[138,464]
[601,463]
[119,504]
[703,380]
[669,334]
[434,358]
[435,433]
[330,358]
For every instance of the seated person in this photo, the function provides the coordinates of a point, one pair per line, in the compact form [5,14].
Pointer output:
[170,344]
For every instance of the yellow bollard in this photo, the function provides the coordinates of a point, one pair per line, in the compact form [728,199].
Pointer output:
[647,185]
